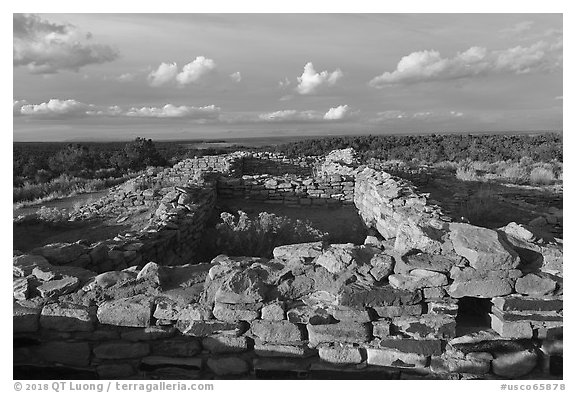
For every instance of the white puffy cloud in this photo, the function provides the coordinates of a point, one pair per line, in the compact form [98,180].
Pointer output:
[165,73]
[310,80]
[236,76]
[429,65]
[210,112]
[195,70]
[17,106]
[337,113]
[56,108]
[46,48]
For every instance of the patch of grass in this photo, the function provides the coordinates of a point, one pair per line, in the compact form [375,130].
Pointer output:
[30,194]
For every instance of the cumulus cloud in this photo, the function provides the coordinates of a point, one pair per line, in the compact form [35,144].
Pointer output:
[429,65]
[165,73]
[210,112]
[310,80]
[46,48]
[193,72]
[337,113]
[55,108]
[236,76]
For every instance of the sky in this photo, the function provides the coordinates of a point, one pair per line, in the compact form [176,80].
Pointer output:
[200,76]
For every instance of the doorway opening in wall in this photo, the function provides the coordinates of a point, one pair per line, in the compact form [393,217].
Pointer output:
[473,313]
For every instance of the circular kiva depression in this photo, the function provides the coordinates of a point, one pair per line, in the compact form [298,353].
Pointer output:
[421,297]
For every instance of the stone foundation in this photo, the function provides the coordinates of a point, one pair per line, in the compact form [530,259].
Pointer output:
[134,307]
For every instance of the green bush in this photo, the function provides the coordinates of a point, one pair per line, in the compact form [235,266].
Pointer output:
[258,236]
[541,175]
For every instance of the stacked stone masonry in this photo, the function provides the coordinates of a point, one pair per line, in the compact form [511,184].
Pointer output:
[392,307]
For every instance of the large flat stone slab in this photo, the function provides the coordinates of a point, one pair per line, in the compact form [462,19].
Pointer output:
[482,247]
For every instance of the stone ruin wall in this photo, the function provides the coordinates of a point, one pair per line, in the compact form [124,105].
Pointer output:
[388,306]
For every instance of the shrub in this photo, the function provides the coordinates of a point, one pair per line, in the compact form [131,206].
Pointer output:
[52,215]
[516,173]
[467,174]
[541,175]
[259,235]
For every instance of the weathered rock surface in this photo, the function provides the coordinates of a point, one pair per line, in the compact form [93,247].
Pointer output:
[482,247]
[535,285]
[276,331]
[134,311]
[343,332]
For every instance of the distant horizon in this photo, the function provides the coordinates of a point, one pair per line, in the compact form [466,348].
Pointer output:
[294,137]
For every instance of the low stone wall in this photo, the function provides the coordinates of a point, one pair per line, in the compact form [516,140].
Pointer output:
[177,216]
[289,190]
[312,308]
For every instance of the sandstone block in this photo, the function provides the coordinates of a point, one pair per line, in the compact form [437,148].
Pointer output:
[511,329]
[340,355]
[134,311]
[393,358]
[236,312]
[377,297]
[203,328]
[417,279]
[425,326]
[280,350]
[525,303]
[275,331]
[344,332]
[480,288]
[57,288]
[308,251]
[482,247]
[535,285]
[67,317]
[273,311]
